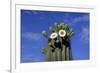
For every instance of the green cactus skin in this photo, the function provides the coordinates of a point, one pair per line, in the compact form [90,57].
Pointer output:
[67,54]
[59,55]
[53,56]
[63,53]
[70,53]
[48,53]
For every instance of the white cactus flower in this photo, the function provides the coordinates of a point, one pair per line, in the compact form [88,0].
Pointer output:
[62,33]
[53,35]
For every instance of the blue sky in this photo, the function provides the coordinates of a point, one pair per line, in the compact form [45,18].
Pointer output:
[33,22]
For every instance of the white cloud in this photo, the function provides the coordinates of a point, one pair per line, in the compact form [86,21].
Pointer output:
[30,58]
[28,12]
[84,35]
[32,36]
[72,21]
[34,12]
[79,19]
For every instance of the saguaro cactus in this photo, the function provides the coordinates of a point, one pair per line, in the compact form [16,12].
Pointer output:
[58,47]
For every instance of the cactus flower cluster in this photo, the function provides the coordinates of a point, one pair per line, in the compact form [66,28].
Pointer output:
[58,47]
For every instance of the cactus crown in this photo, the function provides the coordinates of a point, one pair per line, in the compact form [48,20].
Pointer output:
[62,30]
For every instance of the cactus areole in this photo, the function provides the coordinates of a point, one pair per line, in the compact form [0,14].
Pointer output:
[58,47]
